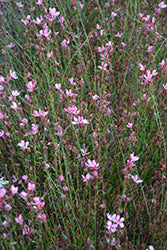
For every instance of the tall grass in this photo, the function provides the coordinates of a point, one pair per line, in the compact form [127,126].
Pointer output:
[83,124]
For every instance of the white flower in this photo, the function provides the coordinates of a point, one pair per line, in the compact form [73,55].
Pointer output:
[15,93]
[2,182]
[23,144]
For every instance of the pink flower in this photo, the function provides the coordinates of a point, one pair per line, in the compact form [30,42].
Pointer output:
[39,113]
[8,207]
[65,42]
[92,164]
[70,94]
[112,241]
[28,98]
[153,20]
[134,158]
[65,188]
[19,219]
[13,74]
[84,152]
[103,66]
[1,116]
[58,86]
[14,189]
[14,105]
[124,197]
[2,79]
[28,74]
[165,86]
[1,87]
[15,93]
[71,80]
[31,86]
[61,20]
[95,97]
[162,5]
[95,173]
[38,204]
[59,129]
[39,2]
[112,228]
[149,75]
[150,248]
[116,219]
[141,15]
[61,178]
[119,35]
[72,110]
[154,73]
[53,14]
[130,125]
[38,20]
[146,18]
[5,223]
[2,192]
[81,5]
[20,4]
[63,196]
[47,165]
[50,54]
[27,230]
[14,179]
[23,144]
[162,63]
[25,177]
[113,14]
[2,133]
[80,120]
[45,32]
[150,48]
[86,178]
[42,217]
[25,22]
[102,205]
[31,186]
[142,68]
[34,129]
[23,195]
[135,179]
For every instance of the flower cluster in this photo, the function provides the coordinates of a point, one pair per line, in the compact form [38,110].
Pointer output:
[113,225]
